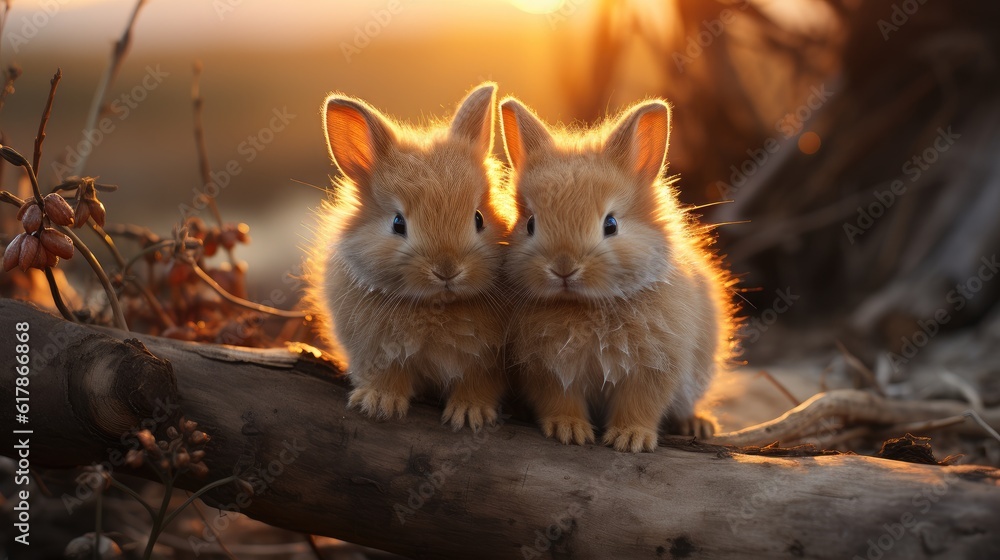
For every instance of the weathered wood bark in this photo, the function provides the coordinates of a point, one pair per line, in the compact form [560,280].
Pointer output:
[413,487]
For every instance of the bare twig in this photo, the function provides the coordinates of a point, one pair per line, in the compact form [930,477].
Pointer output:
[199,140]
[215,533]
[240,301]
[97,105]
[784,391]
[861,367]
[854,408]
[57,297]
[314,547]
[116,306]
[53,84]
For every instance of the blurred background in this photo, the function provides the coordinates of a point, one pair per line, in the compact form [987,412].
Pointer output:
[851,145]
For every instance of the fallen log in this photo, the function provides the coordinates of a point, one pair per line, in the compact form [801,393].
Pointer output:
[413,487]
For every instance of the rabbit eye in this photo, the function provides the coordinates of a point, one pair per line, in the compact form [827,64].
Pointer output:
[610,226]
[480,224]
[531,224]
[399,225]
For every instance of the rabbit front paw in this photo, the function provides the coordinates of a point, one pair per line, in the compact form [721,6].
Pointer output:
[631,439]
[378,403]
[478,414]
[568,429]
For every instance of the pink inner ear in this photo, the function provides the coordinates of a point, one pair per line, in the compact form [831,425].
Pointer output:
[650,144]
[512,136]
[350,141]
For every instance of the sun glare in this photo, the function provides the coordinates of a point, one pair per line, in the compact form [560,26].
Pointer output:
[538,6]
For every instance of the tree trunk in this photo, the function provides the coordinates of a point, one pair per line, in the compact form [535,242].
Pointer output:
[278,420]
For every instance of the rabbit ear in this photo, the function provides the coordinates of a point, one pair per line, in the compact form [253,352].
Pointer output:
[474,118]
[357,136]
[523,132]
[639,141]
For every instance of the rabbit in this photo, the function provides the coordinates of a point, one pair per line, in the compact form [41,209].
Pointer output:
[619,304]
[402,274]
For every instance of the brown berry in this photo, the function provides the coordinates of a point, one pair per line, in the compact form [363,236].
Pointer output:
[12,253]
[57,243]
[32,219]
[58,210]
[82,213]
[32,253]
[97,211]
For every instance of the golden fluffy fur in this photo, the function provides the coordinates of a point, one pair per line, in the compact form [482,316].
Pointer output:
[632,324]
[416,309]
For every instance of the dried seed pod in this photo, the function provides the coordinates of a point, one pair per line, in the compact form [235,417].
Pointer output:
[57,209]
[182,459]
[12,253]
[198,469]
[82,213]
[147,440]
[57,243]
[188,425]
[134,458]
[197,456]
[32,219]
[51,259]
[172,432]
[24,208]
[97,211]
[13,156]
[32,253]
[199,438]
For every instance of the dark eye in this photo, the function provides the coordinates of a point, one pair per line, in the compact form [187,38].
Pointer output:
[480,225]
[399,225]
[610,226]
[531,225]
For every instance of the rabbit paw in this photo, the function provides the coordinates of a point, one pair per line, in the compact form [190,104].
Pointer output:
[568,429]
[701,427]
[631,438]
[478,414]
[377,403]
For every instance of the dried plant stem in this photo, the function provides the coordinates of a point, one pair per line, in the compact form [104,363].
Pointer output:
[154,303]
[240,301]
[57,297]
[116,306]
[199,139]
[784,390]
[173,515]
[108,242]
[97,106]
[53,84]
[159,246]
[215,533]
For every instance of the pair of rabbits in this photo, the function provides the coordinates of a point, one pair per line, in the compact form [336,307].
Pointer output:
[573,272]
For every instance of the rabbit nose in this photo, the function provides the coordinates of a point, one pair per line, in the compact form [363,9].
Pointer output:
[564,267]
[565,276]
[446,271]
